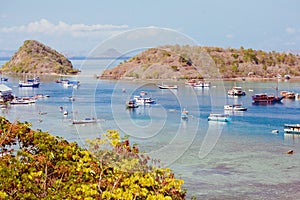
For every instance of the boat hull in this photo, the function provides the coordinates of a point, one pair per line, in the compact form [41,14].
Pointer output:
[265,99]
[34,85]
[219,117]
[292,128]
[85,121]
[234,108]
[168,87]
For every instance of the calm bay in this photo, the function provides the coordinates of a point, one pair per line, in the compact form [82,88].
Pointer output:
[241,159]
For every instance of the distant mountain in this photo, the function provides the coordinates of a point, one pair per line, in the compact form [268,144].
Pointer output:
[36,58]
[110,53]
[186,62]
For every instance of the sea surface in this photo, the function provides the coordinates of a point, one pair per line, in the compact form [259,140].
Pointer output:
[241,159]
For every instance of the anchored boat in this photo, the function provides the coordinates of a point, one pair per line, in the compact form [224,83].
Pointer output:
[235,107]
[219,117]
[292,128]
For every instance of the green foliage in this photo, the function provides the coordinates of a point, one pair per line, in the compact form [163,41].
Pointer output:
[185,77]
[131,175]
[37,165]
[210,61]
[184,59]
[175,68]
[155,74]
[35,58]
[235,55]
[133,74]
[234,68]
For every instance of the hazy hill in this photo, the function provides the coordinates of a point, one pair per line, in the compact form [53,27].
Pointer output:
[35,58]
[184,62]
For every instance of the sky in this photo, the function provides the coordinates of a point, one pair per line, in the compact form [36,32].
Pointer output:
[76,27]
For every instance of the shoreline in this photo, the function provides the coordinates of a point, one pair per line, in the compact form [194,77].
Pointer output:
[296,78]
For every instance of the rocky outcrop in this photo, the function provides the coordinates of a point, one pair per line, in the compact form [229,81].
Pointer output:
[34,57]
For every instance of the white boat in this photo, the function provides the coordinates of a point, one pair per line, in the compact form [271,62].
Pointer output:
[40,96]
[68,83]
[85,121]
[202,84]
[65,113]
[275,131]
[235,107]
[22,100]
[297,96]
[167,86]
[236,91]
[292,128]
[144,100]
[219,117]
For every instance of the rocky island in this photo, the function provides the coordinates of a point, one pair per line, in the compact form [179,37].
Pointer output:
[187,62]
[34,57]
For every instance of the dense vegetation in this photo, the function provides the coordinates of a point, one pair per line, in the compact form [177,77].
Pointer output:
[34,57]
[37,165]
[176,62]
[248,62]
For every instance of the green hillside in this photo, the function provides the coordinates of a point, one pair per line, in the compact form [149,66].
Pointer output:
[34,57]
[184,62]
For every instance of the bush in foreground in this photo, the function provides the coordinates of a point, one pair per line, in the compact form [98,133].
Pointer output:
[37,165]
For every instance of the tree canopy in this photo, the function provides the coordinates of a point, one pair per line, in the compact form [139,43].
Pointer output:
[37,165]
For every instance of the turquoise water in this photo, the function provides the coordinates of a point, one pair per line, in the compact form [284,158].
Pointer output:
[242,159]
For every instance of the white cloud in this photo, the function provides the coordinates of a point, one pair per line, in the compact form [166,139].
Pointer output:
[290,30]
[46,27]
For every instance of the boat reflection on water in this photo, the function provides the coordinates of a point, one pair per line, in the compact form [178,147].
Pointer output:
[141,112]
[234,113]
[291,139]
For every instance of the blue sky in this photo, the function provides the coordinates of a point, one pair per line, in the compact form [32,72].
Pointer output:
[76,27]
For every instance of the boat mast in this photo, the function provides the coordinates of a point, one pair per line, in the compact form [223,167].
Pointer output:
[277,87]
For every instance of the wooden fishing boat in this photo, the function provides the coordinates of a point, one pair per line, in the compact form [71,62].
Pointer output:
[266,99]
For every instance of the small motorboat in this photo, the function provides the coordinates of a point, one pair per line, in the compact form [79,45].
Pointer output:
[22,101]
[29,84]
[202,84]
[167,86]
[292,128]
[236,91]
[141,100]
[131,104]
[85,121]
[65,113]
[219,117]
[4,79]
[235,107]
[40,96]
[288,95]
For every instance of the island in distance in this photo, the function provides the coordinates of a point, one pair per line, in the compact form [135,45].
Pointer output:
[175,62]
[34,57]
